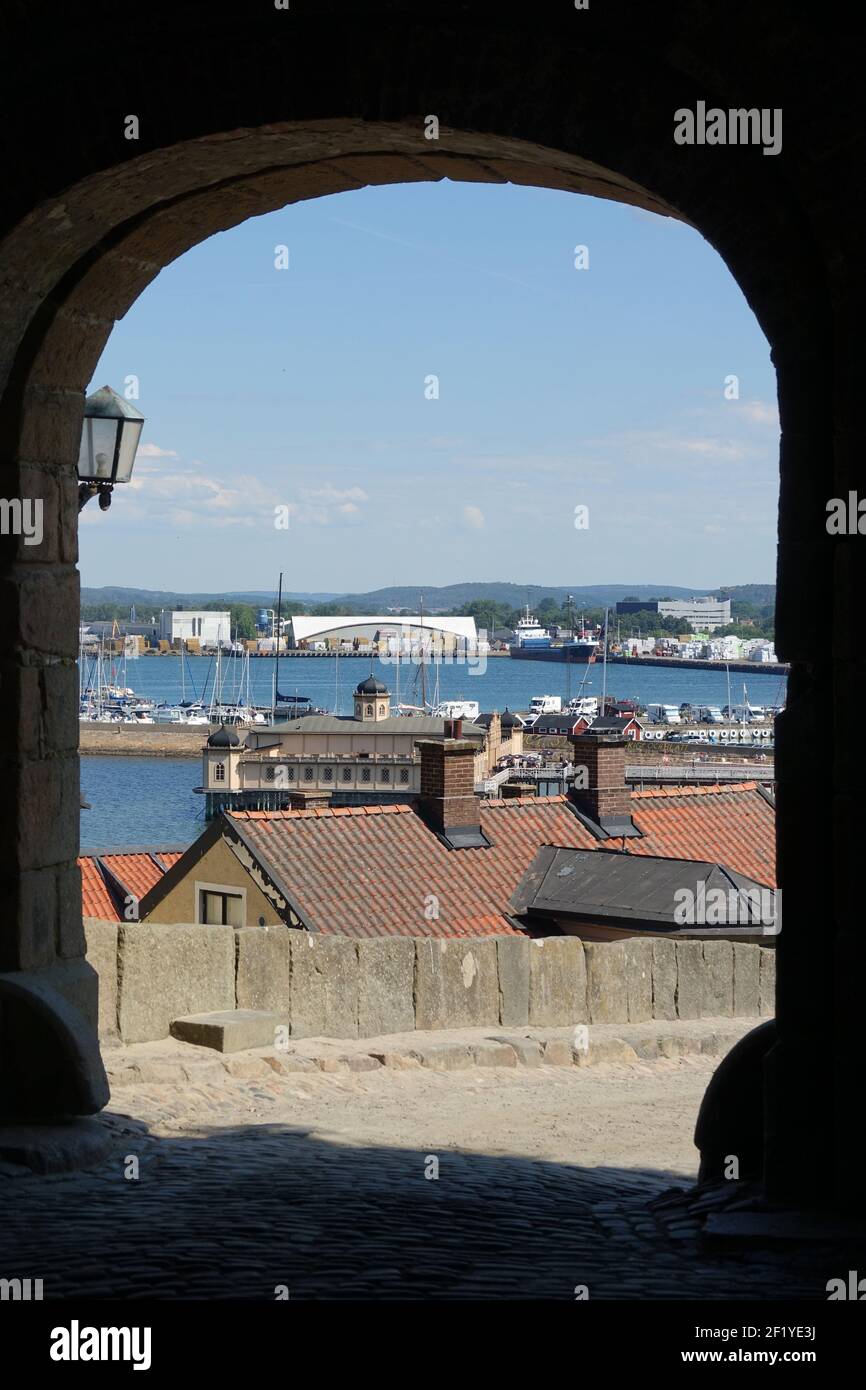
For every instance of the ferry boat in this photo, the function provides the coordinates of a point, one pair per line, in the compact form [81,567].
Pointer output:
[534,643]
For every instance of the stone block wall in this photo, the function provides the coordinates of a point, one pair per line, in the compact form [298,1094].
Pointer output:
[341,987]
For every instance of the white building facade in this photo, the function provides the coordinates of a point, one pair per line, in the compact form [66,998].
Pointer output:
[210,629]
[703,614]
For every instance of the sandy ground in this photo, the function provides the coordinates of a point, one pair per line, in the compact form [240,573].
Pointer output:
[636,1116]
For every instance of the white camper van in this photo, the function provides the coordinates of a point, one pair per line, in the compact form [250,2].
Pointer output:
[663,714]
[457,709]
[545,704]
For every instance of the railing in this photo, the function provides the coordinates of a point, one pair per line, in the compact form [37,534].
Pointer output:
[701,772]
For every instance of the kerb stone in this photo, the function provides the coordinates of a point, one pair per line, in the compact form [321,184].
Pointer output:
[233,1030]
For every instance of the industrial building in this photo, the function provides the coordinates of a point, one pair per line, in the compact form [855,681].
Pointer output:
[209,629]
[703,614]
[389,633]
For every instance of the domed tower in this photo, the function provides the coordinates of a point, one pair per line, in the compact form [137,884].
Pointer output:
[372,701]
[222,756]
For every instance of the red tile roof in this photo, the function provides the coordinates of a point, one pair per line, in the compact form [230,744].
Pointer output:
[96,901]
[135,874]
[373,870]
[731,824]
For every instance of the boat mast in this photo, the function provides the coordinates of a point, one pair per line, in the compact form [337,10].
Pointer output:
[423,671]
[604,670]
[728,674]
[277,664]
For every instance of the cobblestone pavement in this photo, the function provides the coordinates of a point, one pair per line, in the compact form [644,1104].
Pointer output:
[317,1183]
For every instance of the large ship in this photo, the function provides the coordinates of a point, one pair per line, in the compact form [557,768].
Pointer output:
[532,642]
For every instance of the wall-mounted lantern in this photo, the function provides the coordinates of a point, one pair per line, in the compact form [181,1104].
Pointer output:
[109,439]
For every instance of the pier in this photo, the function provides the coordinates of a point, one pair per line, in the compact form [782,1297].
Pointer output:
[747,668]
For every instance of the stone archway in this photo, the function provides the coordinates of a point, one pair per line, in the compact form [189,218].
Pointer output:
[261,115]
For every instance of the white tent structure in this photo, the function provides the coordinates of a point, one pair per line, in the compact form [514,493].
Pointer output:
[399,632]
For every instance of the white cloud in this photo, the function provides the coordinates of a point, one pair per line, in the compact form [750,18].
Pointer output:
[474,518]
[153,451]
[760,412]
[329,493]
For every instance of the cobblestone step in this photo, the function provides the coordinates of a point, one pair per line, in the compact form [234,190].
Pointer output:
[173,1062]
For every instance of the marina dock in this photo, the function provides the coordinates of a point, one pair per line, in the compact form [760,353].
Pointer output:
[686,663]
[148,740]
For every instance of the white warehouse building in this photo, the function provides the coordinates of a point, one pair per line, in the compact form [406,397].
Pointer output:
[703,614]
[211,629]
[389,632]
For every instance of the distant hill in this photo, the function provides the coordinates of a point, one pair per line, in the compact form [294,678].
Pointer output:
[454,596]
[167,598]
[436,600]
[762,595]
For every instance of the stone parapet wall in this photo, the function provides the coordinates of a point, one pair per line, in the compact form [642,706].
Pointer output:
[340,987]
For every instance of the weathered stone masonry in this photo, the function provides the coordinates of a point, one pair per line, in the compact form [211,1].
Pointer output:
[268,107]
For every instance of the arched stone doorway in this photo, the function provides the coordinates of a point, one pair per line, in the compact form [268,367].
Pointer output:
[261,114]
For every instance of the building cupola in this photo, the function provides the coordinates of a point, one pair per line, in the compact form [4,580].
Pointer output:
[372,700]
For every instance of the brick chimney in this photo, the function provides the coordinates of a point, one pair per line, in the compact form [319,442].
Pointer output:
[605,792]
[312,800]
[448,800]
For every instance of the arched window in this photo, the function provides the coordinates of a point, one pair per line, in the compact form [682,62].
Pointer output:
[369,709]
[219,772]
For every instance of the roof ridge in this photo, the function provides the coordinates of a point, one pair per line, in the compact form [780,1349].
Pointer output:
[681,789]
[501,803]
[322,812]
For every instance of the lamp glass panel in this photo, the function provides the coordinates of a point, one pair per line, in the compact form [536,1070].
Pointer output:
[128,446]
[97,449]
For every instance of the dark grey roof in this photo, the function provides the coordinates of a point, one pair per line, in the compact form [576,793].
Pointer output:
[223,738]
[420,725]
[508,720]
[631,890]
[611,724]
[371,686]
[550,723]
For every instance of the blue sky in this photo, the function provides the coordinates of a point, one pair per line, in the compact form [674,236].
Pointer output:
[304,388]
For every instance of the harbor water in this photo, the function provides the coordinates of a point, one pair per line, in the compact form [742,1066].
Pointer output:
[495,683]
